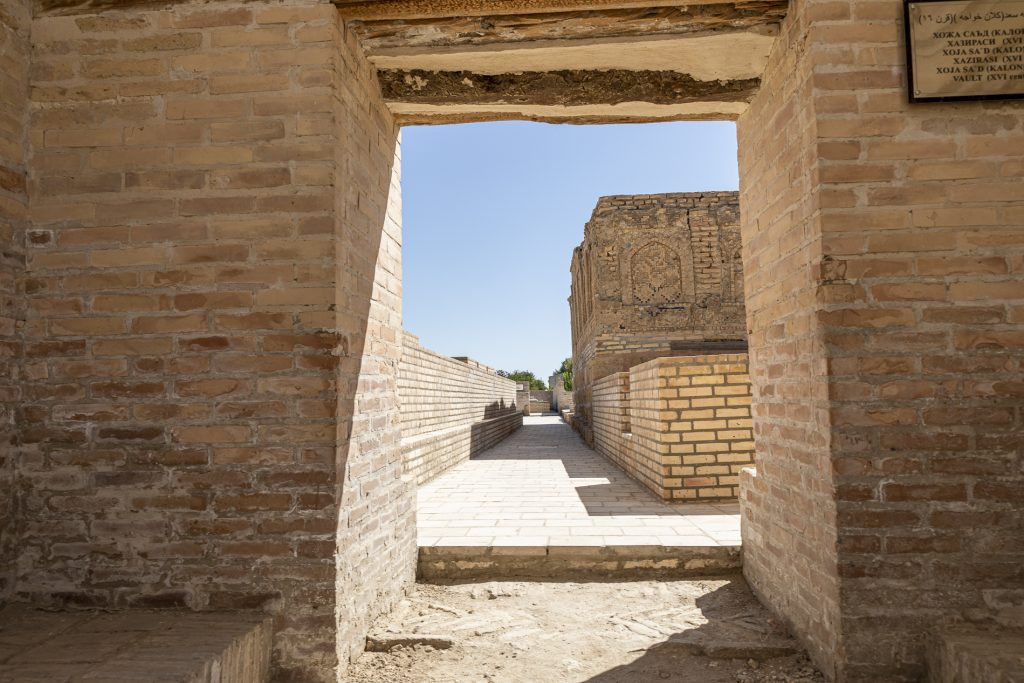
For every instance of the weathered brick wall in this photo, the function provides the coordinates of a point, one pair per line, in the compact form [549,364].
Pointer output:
[451,408]
[214,310]
[681,426]
[923,299]
[887,343]
[523,397]
[15,19]
[656,275]
[179,440]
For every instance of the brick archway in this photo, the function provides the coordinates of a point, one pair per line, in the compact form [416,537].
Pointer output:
[201,311]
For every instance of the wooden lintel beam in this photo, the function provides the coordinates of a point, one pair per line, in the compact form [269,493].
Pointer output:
[565,87]
[436,9]
[398,36]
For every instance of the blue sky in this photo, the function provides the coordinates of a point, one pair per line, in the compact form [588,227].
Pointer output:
[492,212]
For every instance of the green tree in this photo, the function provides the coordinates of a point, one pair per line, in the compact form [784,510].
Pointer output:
[524,376]
[565,370]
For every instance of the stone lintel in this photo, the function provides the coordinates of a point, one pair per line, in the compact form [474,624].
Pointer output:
[565,88]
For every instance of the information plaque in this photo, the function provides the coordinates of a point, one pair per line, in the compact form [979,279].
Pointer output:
[965,49]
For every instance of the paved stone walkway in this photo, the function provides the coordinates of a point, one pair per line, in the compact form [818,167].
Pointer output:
[543,486]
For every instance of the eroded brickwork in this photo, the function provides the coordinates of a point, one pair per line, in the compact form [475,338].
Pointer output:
[451,408]
[680,426]
[886,342]
[14,78]
[655,275]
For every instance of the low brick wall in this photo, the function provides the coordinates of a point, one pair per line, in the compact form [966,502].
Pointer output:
[681,426]
[540,402]
[451,408]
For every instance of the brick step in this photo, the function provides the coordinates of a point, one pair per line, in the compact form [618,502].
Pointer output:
[155,646]
[977,656]
[439,564]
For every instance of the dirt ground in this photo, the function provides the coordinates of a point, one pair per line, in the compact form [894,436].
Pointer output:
[696,631]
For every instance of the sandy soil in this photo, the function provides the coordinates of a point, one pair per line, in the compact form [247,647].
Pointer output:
[698,631]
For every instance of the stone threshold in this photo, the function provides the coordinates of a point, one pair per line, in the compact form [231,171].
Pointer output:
[441,564]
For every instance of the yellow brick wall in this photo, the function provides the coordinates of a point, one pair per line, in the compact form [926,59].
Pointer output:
[681,425]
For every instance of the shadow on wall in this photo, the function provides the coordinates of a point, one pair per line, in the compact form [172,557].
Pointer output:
[489,432]
[499,408]
[731,624]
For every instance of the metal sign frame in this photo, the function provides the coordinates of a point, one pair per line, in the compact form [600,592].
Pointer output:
[908,40]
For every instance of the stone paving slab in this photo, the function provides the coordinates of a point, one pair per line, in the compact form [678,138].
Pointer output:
[543,488]
[151,646]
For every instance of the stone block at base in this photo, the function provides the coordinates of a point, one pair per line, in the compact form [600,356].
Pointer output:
[977,656]
[155,646]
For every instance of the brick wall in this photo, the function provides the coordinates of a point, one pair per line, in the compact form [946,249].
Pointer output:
[923,315]
[451,408]
[540,402]
[14,77]
[681,426]
[523,397]
[884,288]
[214,310]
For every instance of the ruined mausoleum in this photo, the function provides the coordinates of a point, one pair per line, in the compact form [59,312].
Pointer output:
[655,276]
